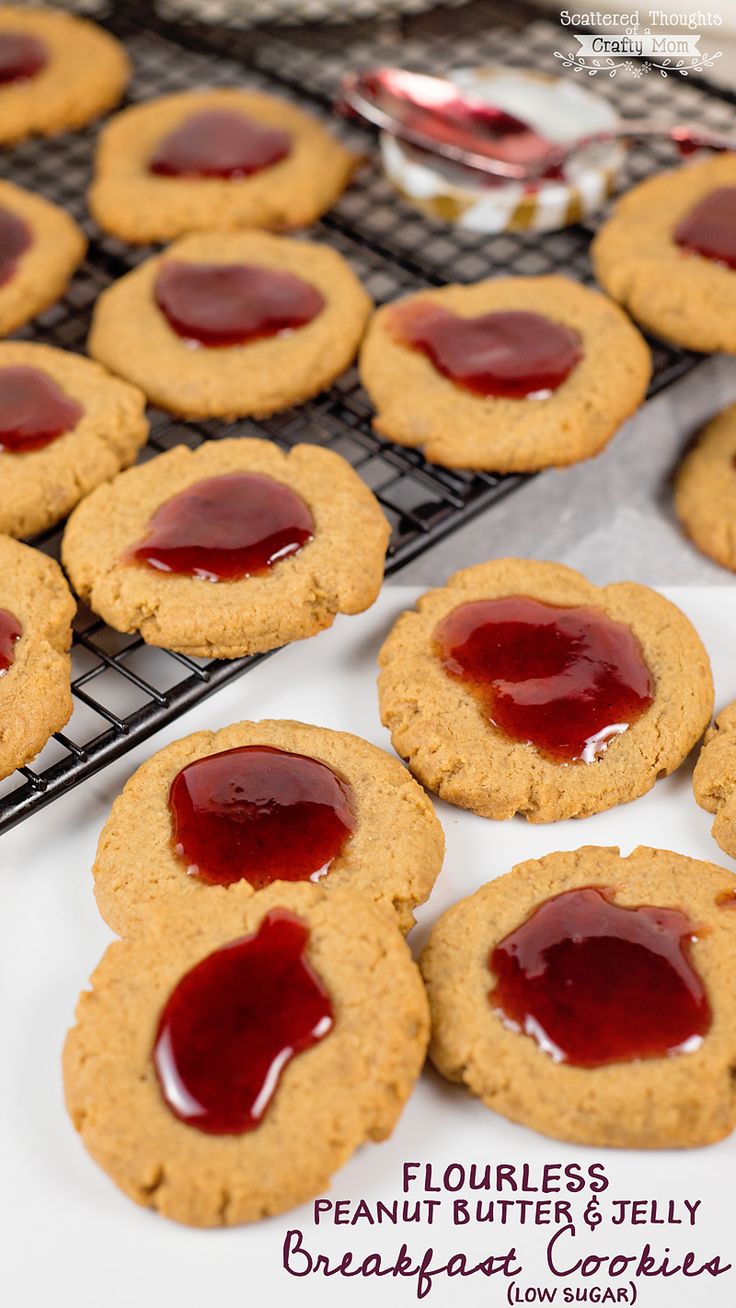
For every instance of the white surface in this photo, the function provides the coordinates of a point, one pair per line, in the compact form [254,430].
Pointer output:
[69,1238]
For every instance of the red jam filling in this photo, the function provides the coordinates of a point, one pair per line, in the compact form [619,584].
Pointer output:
[710,228]
[33,410]
[259,814]
[15,238]
[234,1021]
[506,355]
[219,143]
[226,528]
[232,304]
[21,56]
[594,983]
[10,633]
[564,679]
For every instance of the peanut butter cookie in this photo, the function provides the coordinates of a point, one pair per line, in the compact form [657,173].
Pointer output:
[510,375]
[304,1028]
[259,802]
[223,158]
[232,324]
[290,541]
[591,997]
[705,490]
[36,610]
[57,72]
[714,778]
[522,688]
[668,254]
[66,426]
[40,247]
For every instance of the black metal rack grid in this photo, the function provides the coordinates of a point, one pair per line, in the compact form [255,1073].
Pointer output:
[123,690]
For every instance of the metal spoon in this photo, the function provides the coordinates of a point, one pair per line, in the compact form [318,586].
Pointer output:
[433,114]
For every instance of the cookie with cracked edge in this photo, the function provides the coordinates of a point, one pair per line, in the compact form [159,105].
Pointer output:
[417,406]
[393,854]
[85,74]
[131,335]
[348,1089]
[35,691]
[705,490]
[339,571]
[450,745]
[680,1100]
[714,778]
[141,207]
[677,294]
[44,269]
[41,486]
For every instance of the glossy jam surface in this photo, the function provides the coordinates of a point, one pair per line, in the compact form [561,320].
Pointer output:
[226,528]
[33,410]
[564,679]
[506,355]
[219,143]
[15,238]
[232,304]
[594,983]
[259,814]
[234,1021]
[10,633]
[21,56]
[710,228]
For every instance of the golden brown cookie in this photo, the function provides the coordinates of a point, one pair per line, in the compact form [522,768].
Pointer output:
[104,426]
[418,405]
[138,205]
[40,247]
[36,610]
[349,1087]
[313,804]
[670,288]
[337,569]
[705,490]
[133,336]
[714,778]
[80,72]
[444,726]
[586,1022]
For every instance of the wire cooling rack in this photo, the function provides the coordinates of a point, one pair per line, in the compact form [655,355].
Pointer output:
[123,690]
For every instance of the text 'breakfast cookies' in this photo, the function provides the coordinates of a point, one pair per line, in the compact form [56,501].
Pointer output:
[228,324]
[179,1111]
[591,997]
[522,688]
[512,374]
[232,549]
[174,164]
[36,611]
[66,425]
[259,802]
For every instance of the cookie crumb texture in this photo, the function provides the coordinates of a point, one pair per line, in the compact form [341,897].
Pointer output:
[677,294]
[35,691]
[132,337]
[86,72]
[441,730]
[339,571]
[393,855]
[42,486]
[684,1099]
[705,490]
[141,207]
[417,406]
[714,778]
[346,1090]
[43,270]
